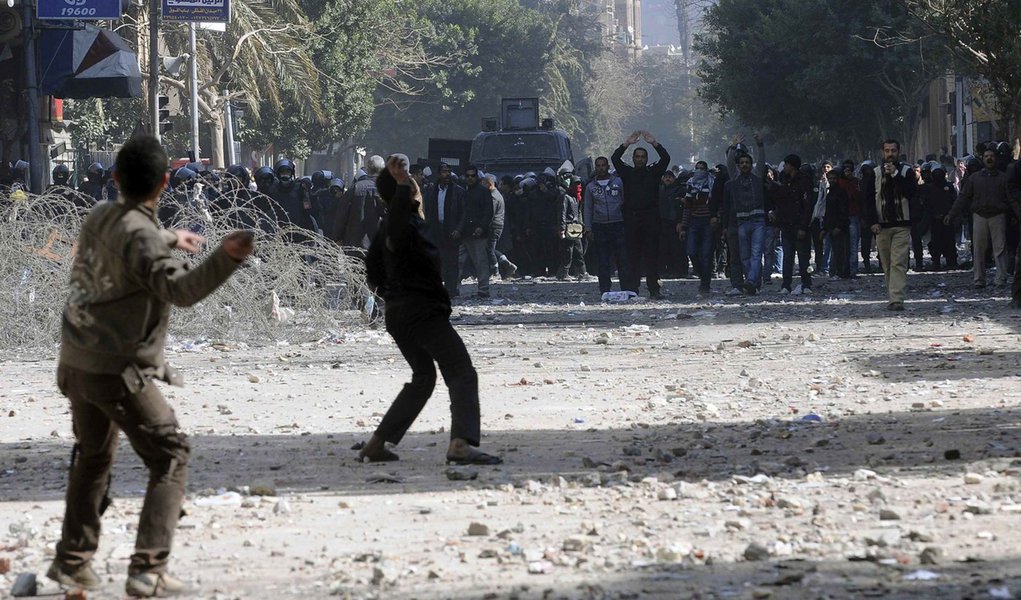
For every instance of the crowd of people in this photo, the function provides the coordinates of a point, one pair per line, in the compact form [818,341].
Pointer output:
[743,219]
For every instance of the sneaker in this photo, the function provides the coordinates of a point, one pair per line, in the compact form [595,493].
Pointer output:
[83,576]
[735,292]
[784,292]
[798,290]
[153,585]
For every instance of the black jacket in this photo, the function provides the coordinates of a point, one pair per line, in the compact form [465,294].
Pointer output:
[837,206]
[478,212]
[453,210]
[641,186]
[792,201]
[403,263]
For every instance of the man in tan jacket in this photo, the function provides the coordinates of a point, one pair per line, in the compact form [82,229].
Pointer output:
[123,281]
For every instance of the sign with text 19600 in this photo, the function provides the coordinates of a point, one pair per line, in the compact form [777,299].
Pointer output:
[82,10]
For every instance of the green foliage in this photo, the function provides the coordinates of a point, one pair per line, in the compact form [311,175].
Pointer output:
[813,72]
[503,49]
[983,34]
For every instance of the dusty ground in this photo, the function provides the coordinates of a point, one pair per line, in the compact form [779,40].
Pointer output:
[750,448]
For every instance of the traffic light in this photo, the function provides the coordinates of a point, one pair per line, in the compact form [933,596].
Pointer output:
[163,106]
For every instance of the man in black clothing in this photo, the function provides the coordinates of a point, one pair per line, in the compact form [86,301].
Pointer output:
[938,197]
[444,203]
[403,266]
[476,226]
[641,210]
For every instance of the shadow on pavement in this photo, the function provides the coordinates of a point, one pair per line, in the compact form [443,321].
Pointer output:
[915,443]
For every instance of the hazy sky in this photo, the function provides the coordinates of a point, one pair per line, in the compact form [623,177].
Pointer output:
[659,23]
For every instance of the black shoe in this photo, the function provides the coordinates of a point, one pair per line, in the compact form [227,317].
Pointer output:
[895,306]
[750,289]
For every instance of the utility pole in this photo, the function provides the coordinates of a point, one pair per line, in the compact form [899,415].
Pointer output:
[35,155]
[194,78]
[231,159]
[154,67]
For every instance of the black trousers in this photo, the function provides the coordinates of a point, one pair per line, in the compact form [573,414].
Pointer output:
[800,248]
[424,335]
[942,244]
[735,268]
[450,268]
[641,236]
[840,244]
[866,245]
[572,259]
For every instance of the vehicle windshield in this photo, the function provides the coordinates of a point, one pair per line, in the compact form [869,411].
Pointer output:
[522,145]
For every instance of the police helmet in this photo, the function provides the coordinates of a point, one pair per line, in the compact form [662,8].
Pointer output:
[240,173]
[61,173]
[284,164]
[95,171]
[319,178]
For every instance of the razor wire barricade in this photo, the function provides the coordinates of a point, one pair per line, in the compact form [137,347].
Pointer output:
[297,286]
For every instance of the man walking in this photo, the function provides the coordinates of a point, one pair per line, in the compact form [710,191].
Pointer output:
[641,210]
[123,281]
[887,202]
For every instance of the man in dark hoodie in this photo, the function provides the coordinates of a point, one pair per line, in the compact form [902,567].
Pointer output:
[673,258]
[938,197]
[836,224]
[641,210]
[403,266]
[792,201]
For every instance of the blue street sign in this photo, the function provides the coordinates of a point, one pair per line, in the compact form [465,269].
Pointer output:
[206,11]
[80,10]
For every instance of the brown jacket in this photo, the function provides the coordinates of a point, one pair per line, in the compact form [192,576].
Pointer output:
[123,281]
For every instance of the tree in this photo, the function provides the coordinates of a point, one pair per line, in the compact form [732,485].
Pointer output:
[264,56]
[503,49]
[358,48]
[813,72]
[984,35]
